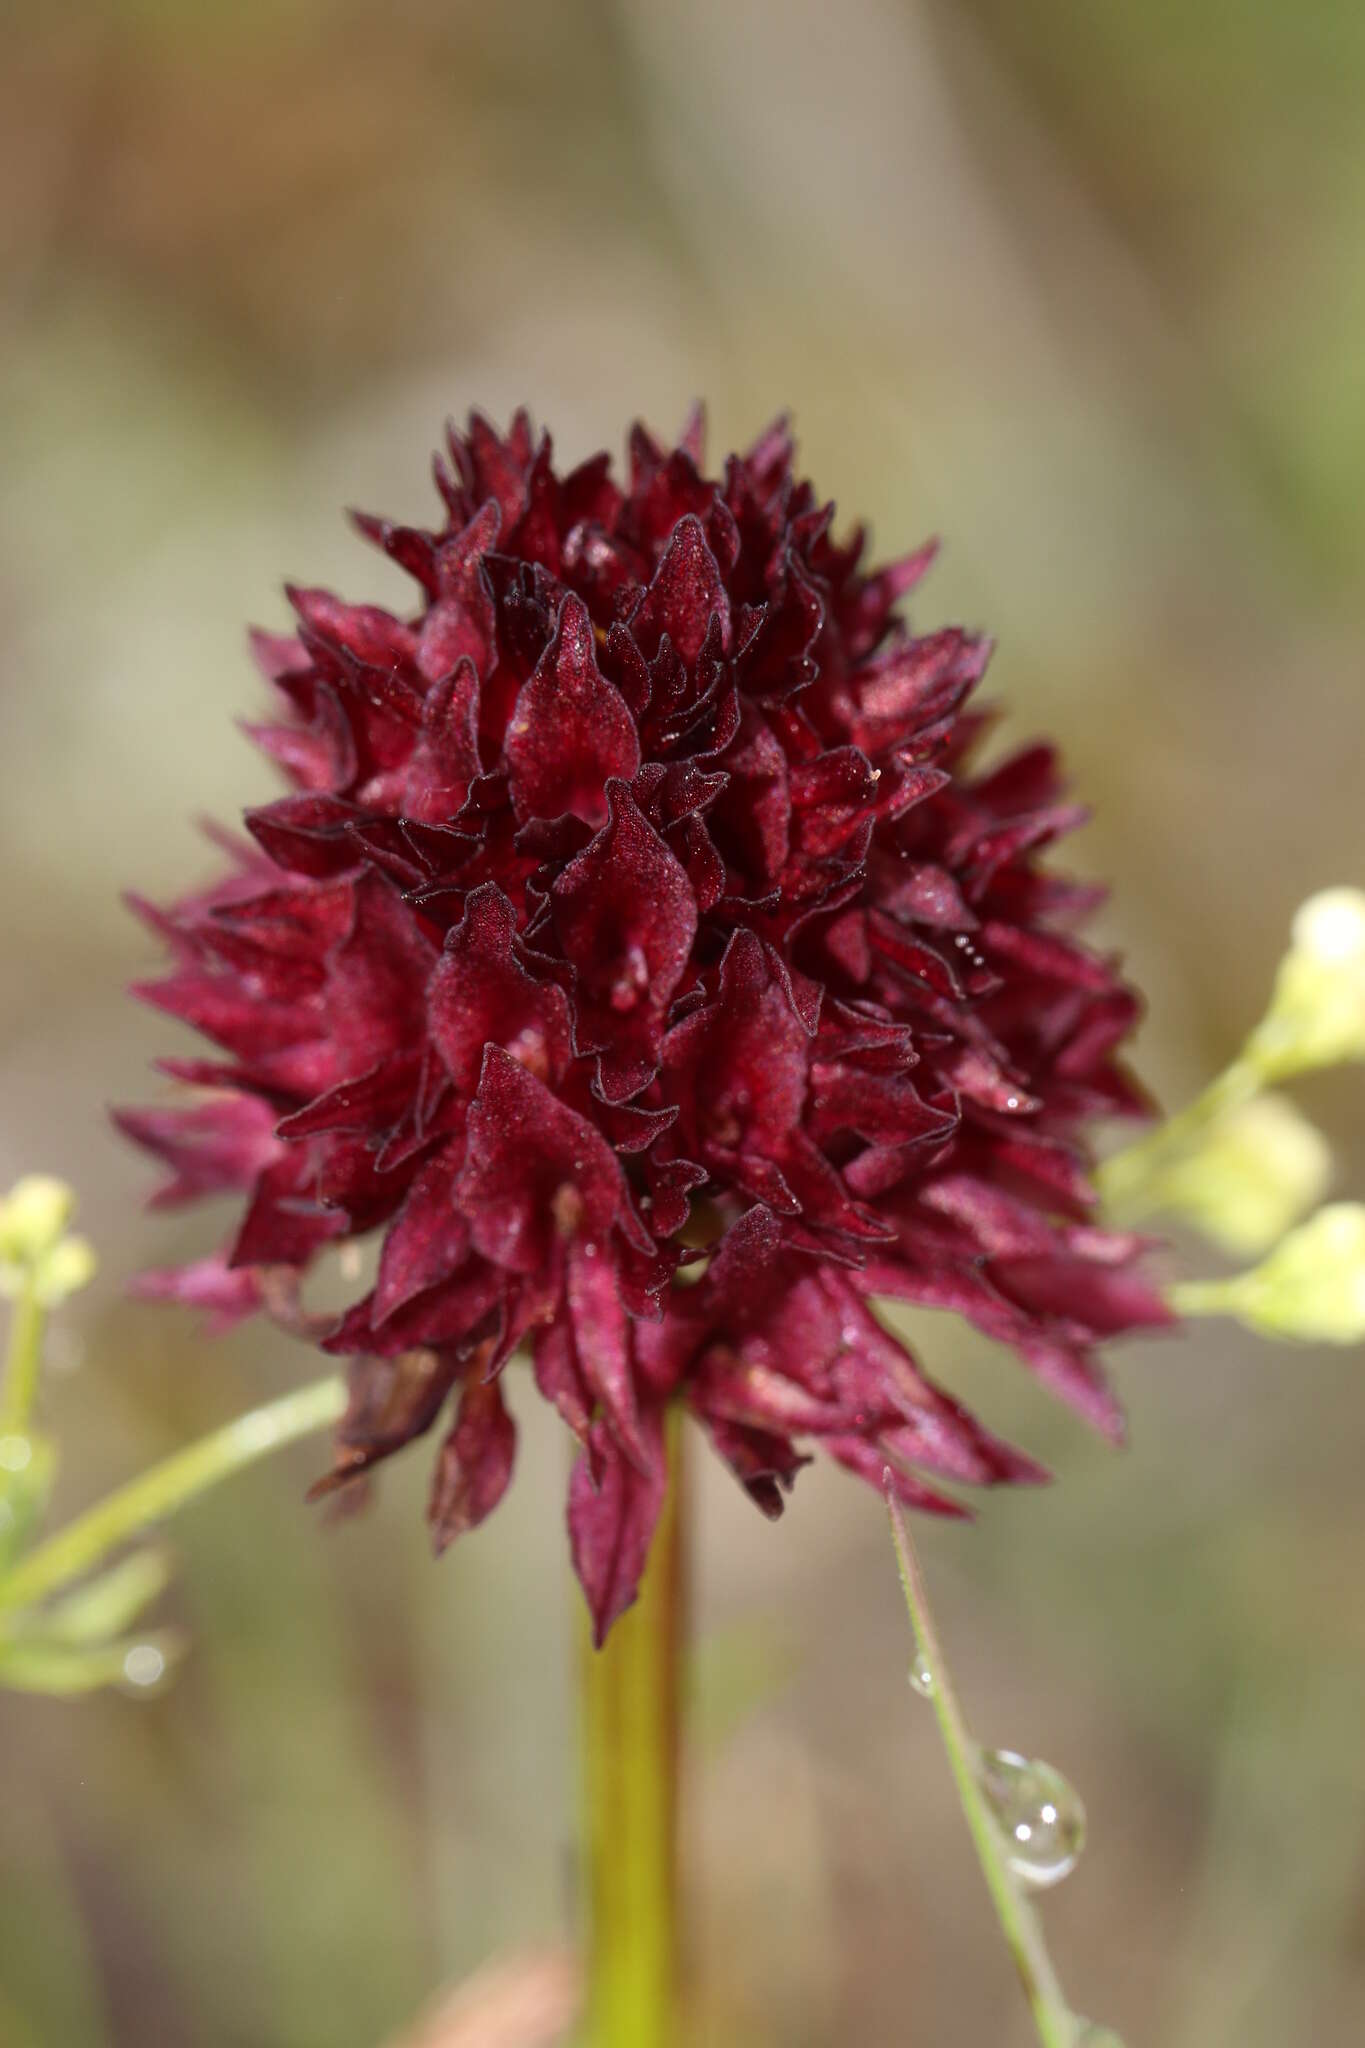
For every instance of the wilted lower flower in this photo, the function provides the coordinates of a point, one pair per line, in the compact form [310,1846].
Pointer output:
[635,907]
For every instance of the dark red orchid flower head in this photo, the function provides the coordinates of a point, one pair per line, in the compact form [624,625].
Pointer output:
[639,961]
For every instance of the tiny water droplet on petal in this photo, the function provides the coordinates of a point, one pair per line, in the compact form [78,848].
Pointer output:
[921,1677]
[1039,1812]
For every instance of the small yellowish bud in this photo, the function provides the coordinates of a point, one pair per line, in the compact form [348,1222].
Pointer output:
[1312,1286]
[33,1216]
[67,1268]
[1331,926]
[1317,1011]
[1256,1170]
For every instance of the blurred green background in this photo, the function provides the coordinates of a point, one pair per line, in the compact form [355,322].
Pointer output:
[1083,289]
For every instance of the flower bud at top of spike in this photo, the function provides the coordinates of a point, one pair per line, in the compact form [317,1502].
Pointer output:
[1311,1287]
[33,1216]
[1317,1013]
[1256,1171]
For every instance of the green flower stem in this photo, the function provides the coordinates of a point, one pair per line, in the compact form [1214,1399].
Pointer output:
[23,1358]
[157,1493]
[631,1750]
[1052,2017]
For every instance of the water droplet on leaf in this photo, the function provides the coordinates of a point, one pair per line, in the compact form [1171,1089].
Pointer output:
[921,1677]
[1040,1814]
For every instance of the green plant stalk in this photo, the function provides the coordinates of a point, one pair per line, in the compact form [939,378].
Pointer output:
[631,1755]
[157,1493]
[23,1359]
[1052,2017]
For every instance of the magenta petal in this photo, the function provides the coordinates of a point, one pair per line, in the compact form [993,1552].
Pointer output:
[377,979]
[377,1098]
[602,1340]
[371,635]
[307,833]
[445,758]
[765,1465]
[475,1463]
[570,732]
[555,1361]
[625,915]
[1100,1299]
[613,1511]
[427,1241]
[870,1462]
[740,1063]
[392,1400]
[686,594]
[215,1147]
[481,995]
[461,625]
[225,1294]
[285,1223]
[536,1172]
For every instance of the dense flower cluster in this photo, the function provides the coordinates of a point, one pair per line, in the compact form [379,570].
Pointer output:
[637,956]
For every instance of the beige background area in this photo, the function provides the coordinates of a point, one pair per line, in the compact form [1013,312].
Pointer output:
[1083,290]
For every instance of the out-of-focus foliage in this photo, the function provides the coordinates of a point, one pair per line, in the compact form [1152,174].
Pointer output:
[1083,289]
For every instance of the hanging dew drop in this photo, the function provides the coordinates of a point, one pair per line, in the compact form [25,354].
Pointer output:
[144,1666]
[147,1667]
[1040,1815]
[921,1677]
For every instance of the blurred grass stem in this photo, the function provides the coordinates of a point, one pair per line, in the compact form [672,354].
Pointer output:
[631,1754]
[157,1493]
[1056,2026]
